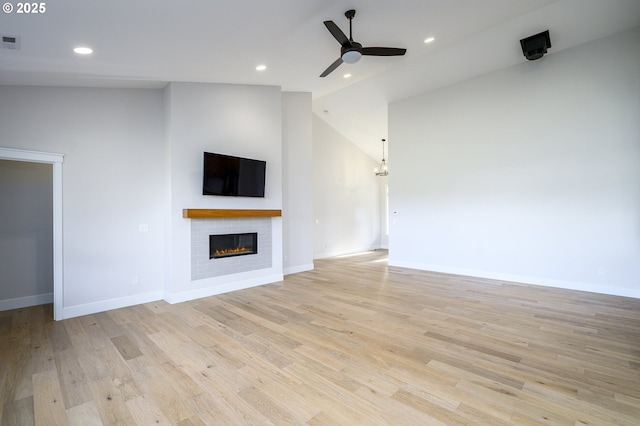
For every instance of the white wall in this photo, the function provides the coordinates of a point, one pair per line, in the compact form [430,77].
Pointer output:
[244,121]
[384,212]
[112,142]
[346,195]
[297,199]
[26,234]
[530,174]
[134,157]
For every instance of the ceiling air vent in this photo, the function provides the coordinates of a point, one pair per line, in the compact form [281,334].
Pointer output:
[10,42]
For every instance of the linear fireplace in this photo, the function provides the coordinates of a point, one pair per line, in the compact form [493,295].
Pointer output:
[204,266]
[229,245]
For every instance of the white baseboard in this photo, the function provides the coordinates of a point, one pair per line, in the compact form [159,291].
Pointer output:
[185,296]
[123,302]
[107,305]
[298,269]
[25,302]
[523,279]
[343,252]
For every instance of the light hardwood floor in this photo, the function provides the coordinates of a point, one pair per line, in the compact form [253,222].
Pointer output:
[353,342]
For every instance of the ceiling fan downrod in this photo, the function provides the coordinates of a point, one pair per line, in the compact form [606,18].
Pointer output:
[350,14]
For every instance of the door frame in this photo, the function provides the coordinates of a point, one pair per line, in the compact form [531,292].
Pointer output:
[56,161]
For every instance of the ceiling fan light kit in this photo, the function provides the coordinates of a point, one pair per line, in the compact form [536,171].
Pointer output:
[351,56]
[350,50]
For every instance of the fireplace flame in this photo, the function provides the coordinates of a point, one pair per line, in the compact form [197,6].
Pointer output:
[231,251]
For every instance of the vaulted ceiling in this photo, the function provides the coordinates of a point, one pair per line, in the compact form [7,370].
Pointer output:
[147,43]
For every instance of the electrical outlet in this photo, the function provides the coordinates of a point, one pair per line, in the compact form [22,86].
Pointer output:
[601,270]
[135,280]
[143,227]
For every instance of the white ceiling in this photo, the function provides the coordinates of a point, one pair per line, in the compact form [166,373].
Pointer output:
[147,43]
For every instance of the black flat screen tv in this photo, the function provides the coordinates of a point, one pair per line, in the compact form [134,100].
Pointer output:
[233,176]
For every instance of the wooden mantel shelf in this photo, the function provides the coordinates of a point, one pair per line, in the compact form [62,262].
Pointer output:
[225,213]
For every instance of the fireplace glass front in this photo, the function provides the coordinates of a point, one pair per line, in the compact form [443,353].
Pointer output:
[229,245]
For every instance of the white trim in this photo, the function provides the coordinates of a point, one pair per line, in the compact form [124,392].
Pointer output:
[25,302]
[523,279]
[30,156]
[107,305]
[343,252]
[58,257]
[299,268]
[185,296]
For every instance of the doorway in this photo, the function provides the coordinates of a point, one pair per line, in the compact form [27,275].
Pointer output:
[56,162]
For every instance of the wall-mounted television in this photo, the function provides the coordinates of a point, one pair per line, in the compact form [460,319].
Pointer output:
[233,176]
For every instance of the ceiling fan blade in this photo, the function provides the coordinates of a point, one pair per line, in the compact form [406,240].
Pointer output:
[332,67]
[383,51]
[337,33]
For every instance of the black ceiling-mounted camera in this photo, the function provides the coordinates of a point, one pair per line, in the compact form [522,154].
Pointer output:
[535,46]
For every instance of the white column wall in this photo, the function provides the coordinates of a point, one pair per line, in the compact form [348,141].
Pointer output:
[297,203]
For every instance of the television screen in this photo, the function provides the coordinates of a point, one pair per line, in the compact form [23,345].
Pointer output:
[233,176]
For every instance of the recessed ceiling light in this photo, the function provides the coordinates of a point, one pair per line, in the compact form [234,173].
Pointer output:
[347,75]
[429,40]
[83,50]
[261,67]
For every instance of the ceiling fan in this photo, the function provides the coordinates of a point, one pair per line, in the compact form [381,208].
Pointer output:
[351,51]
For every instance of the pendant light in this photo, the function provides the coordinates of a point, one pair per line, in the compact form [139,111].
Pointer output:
[382,170]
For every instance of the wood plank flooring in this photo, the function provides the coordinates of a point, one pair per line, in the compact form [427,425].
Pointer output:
[354,342]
